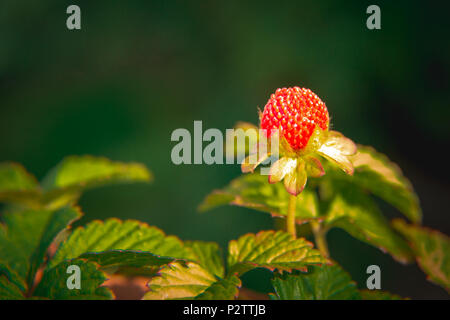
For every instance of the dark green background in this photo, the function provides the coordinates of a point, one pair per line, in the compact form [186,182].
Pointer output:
[140,69]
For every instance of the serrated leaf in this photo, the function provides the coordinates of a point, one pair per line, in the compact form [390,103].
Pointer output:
[356,213]
[9,290]
[127,262]
[190,281]
[57,223]
[320,283]
[17,185]
[224,289]
[13,277]
[28,234]
[54,282]
[252,191]
[379,295]
[271,250]
[376,173]
[113,234]
[68,179]
[432,251]
[208,255]
[337,149]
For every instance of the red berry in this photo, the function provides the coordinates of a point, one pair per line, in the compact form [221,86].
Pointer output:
[295,112]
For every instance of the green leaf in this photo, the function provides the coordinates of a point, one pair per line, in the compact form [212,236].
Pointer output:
[271,250]
[190,281]
[128,262]
[65,183]
[321,283]
[9,290]
[17,185]
[377,174]
[74,174]
[13,277]
[253,191]
[27,236]
[432,251]
[224,289]
[113,234]
[57,223]
[208,255]
[337,149]
[379,295]
[14,177]
[356,213]
[54,282]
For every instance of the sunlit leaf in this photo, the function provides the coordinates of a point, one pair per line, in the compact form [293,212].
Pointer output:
[356,213]
[14,177]
[190,281]
[338,141]
[271,250]
[114,234]
[314,167]
[57,223]
[376,173]
[432,251]
[65,183]
[337,149]
[27,236]
[320,283]
[208,255]
[54,282]
[295,181]
[74,174]
[253,191]
[17,185]
[292,171]
[223,289]
[281,168]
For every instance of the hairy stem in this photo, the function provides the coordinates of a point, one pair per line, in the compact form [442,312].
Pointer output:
[290,220]
[320,238]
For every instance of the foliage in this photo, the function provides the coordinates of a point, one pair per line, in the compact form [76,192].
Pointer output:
[325,283]
[431,249]
[37,245]
[338,200]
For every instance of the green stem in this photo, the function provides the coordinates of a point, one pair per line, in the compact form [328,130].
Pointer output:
[320,238]
[290,220]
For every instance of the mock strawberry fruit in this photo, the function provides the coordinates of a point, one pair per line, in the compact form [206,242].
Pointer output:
[295,112]
[296,122]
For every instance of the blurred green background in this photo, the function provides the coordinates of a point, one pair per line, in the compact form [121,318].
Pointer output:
[137,70]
